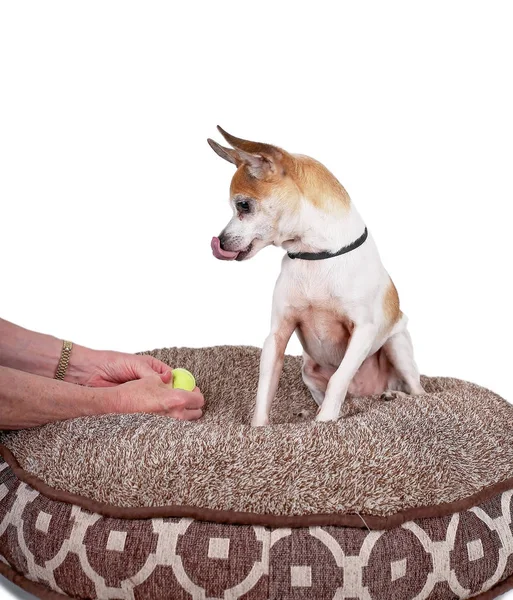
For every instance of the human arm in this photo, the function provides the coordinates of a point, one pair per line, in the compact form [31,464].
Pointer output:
[28,400]
[39,354]
[111,382]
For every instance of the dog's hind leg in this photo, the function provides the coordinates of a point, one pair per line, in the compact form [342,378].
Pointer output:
[406,379]
[360,344]
[314,379]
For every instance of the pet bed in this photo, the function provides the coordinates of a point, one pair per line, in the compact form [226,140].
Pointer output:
[401,499]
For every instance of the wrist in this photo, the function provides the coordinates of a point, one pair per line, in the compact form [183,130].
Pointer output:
[110,400]
[82,364]
[86,401]
[106,400]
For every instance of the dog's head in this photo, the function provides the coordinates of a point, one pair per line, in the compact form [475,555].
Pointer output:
[263,193]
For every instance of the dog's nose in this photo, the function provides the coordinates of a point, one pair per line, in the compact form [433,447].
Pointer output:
[222,240]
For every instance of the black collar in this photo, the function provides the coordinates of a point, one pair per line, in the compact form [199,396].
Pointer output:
[320,255]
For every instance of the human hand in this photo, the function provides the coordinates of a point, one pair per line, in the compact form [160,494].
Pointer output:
[137,383]
[150,395]
[107,369]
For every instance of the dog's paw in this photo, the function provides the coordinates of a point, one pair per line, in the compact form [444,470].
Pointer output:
[325,417]
[259,421]
[304,414]
[393,395]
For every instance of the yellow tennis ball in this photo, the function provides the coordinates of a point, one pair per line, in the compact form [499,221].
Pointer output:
[183,380]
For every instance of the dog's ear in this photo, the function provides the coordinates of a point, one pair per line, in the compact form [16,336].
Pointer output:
[258,165]
[247,146]
[226,153]
[262,160]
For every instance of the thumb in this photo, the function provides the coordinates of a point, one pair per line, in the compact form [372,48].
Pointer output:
[167,376]
[143,369]
[162,369]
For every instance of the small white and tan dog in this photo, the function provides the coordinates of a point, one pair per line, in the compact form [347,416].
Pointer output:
[333,290]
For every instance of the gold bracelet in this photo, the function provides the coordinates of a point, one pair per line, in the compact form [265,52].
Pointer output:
[64,360]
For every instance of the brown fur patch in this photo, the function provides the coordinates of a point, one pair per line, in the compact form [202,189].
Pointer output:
[295,176]
[326,323]
[319,186]
[391,304]
[277,186]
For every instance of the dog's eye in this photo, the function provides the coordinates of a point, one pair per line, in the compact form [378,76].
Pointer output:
[243,206]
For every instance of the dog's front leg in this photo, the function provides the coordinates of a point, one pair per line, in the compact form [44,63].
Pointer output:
[271,364]
[360,344]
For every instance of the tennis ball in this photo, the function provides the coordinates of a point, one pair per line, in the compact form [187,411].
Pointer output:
[183,380]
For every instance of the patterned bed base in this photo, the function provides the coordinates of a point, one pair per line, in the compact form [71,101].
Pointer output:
[62,550]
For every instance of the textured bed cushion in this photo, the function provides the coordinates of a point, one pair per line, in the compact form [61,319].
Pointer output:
[84,555]
[381,459]
[411,498]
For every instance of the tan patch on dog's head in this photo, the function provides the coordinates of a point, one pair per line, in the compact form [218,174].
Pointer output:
[391,306]
[319,186]
[279,187]
[265,171]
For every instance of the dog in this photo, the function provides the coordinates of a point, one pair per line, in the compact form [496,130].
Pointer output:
[333,289]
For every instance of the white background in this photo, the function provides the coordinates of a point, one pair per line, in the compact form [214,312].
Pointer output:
[110,194]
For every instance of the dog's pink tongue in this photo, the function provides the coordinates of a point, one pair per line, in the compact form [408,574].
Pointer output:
[220,253]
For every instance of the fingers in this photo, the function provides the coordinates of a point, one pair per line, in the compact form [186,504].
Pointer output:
[161,368]
[189,415]
[189,400]
[148,394]
[141,368]
[144,366]
[158,366]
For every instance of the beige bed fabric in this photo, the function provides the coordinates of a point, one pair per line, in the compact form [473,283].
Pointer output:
[381,459]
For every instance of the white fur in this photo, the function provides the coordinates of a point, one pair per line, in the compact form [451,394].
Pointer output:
[355,283]
[336,305]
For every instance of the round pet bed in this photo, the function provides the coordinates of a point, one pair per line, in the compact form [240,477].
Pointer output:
[401,499]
